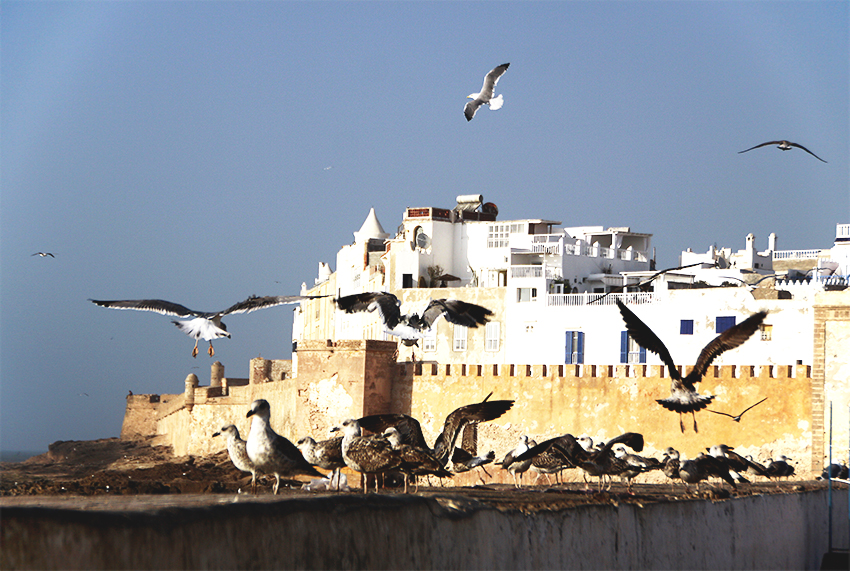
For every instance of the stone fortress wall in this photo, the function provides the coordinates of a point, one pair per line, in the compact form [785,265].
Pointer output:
[329,381]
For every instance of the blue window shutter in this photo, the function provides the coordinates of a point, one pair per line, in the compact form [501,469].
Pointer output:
[643,355]
[569,348]
[724,323]
[686,327]
[624,346]
[580,356]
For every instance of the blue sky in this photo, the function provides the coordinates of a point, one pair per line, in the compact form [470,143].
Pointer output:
[178,150]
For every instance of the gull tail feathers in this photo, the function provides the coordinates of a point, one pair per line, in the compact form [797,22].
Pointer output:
[496,102]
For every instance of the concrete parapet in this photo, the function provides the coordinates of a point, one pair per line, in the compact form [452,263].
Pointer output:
[777,531]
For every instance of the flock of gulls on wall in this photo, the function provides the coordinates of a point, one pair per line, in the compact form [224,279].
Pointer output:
[397,443]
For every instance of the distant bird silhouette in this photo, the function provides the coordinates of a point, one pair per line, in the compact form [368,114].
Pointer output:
[43,254]
[785,146]
[412,326]
[736,418]
[683,394]
[205,325]
[487,95]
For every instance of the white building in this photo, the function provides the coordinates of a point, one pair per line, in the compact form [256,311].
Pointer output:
[545,286]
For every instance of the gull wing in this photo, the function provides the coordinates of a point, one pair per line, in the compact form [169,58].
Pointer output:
[490,81]
[633,440]
[760,146]
[566,444]
[470,108]
[644,337]
[455,311]
[807,150]
[285,449]
[254,302]
[386,303]
[156,305]
[462,416]
[729,339]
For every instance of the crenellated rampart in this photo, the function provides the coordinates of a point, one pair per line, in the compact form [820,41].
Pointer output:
[335,381]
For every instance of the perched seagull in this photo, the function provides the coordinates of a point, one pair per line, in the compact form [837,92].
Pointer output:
[237,452]
[636,464]
[416,461]
[700,468]
[835,471]
[326,454]
[683,395]
[206,326]
[455,422]
[785,146]
[43,254]
[581,452]
[413,326]
[487,93]
[366,454]
[270,452]
[736,418]
[511,461]
[779,468]
[737,464]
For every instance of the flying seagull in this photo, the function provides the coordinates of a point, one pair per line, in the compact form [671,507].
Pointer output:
[206,326]
[43,254]
[412,327]
[738,417]
[683,395]
[487,93]
[785,146]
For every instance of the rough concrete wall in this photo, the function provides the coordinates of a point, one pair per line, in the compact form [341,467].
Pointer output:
[604,402]
[410,532]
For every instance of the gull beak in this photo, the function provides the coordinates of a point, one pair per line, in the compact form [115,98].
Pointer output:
[334,429]
[216,433]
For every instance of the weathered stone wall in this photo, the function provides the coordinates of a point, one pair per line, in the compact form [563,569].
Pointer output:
[779,531]
[139,417]
[605,401]
[831,371]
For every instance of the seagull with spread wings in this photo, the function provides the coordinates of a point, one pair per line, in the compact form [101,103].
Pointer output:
[737,418]
[784,146]
[412,326]
[205,325]
[683,395]
[487,95]
[455,422]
